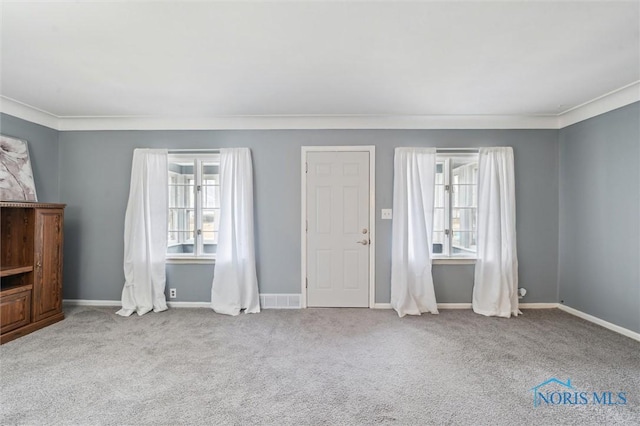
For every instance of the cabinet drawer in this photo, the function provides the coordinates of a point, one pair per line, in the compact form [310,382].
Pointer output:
[15,310]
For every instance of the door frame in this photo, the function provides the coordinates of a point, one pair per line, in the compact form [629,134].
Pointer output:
[372,215]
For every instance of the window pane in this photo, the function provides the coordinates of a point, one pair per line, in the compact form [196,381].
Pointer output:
[455,209]
[190,224]
[464,195]
[211,180]
[211,196]
[465,172]
[463,242]
[210,219]
[209,238]
[173,220]
[177,219]
[463,219]
[181,196]
[440,173]
[181,183]
[438,200]
[210,248]
[173,190]
[180,227]
[461,165]
[180,237]
[210,185]
[190,194]
[438,220]
[189,210]
[185,248]
[464,199]
[210,171]
[176,249]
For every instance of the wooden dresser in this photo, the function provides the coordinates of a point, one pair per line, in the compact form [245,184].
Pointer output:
[30,267]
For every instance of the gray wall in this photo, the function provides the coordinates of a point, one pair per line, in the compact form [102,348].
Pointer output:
[599,246]
[595,163]
[95,172]
[43,152]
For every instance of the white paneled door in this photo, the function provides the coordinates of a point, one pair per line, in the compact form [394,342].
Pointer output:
[338,233]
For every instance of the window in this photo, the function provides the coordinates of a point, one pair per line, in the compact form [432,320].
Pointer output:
[194,206]
[455,206]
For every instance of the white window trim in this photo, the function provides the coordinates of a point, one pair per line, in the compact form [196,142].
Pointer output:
[175,260]
[456,260]
[198,242]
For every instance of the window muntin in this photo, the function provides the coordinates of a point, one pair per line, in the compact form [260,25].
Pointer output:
[194,206]
[455,205]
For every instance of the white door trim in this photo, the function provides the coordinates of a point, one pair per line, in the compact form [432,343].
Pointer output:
[372,214]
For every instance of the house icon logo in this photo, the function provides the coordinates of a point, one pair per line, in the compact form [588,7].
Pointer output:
[536,389]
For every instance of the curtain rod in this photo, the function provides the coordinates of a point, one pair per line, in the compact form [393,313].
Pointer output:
[458,149]
[195,150]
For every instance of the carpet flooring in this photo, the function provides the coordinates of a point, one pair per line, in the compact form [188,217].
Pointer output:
[317,367]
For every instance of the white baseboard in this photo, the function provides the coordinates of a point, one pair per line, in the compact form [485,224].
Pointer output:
[292,301]
[117,303]
[86,302]
[440,306]
[454,306]
[189,304]
[537,305]
[468,305]
[267,301]
[600,322]
[285,301]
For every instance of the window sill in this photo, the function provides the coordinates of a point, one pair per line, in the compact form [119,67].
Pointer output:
[191,260]
[453,261]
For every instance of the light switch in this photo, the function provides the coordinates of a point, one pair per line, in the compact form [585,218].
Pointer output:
[387,214]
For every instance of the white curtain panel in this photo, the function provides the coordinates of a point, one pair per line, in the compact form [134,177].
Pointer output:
[495,290]
[235,285]
[145,234]
[413,198]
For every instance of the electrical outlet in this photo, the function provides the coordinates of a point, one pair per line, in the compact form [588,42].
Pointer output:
[172,293]
[386,214]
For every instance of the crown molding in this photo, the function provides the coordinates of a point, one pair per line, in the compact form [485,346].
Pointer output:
[27,112]
[608,102]
[309,122]
[605,103]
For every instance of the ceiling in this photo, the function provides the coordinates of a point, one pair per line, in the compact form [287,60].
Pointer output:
[195,59]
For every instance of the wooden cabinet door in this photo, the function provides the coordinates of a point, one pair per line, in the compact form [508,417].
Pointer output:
[15,309]
[47,286]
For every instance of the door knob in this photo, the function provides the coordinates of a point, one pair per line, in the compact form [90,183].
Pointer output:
[363,242]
